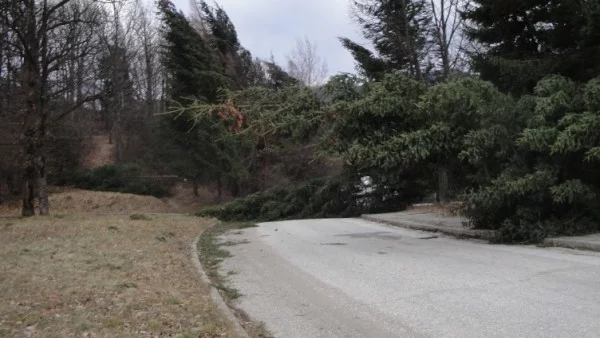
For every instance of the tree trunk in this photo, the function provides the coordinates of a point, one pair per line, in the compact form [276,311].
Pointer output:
[118,136]
[42,186]
[12,185]
[414,57]
[195,183]
[235,189]
[443,185]
[28,189]
[32,119]
[219,190]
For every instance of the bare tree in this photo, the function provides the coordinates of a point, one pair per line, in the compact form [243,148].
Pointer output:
[424,38]
[305,64]
[146,66]
[448,35]
[46,35]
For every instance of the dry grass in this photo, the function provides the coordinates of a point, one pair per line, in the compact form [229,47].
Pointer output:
[83,201]
[103,276]
[450,209]
[183,199]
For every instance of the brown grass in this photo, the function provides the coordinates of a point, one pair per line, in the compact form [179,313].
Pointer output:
[183,200]
[83,201]
[103,276]
[450,209]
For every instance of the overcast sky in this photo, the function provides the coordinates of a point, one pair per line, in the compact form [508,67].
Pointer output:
[272,26]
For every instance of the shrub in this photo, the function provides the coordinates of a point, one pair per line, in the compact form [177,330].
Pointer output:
[316,198]
[140,217]
[329,198]
[117,178]
[550,185]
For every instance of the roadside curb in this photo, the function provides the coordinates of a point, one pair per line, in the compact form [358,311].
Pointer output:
[214,293]
[488,235]
[572,243]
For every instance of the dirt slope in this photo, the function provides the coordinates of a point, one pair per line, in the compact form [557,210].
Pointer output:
[101,152]
[83,201]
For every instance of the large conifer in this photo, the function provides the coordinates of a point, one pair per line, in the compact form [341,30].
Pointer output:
[524,40]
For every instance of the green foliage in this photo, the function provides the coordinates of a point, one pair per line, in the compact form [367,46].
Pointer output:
[140,217]
[529,39]
[402,133]
[317,198]
[117,178]
[550,185]
[202,149]
[398,31]
[188,58]
[367,64]
[199,148]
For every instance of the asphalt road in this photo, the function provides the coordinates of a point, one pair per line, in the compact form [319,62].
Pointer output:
[353,278]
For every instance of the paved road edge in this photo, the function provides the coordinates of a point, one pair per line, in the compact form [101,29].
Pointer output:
[214,293]
[489,235]
[458,232]
[572,243]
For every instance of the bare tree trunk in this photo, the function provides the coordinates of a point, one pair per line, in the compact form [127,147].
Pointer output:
[28,170]
[42,185]
[196,192]
[31,74]
[28,195]
[11,184]
[443,185]
[116,131]
[414,57]
[1,200]
[48,45]
[448,25]
[219,190]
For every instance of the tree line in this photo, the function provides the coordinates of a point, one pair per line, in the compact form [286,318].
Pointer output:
[490,103]
[493,104]
[70,69]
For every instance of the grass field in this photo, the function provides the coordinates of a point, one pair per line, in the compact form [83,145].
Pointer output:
[104,276]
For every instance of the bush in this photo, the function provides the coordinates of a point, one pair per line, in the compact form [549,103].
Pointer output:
[139,217]
[549,185]
[117,178]
[316,198]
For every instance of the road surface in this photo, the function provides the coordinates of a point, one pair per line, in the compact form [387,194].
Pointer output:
[353,278]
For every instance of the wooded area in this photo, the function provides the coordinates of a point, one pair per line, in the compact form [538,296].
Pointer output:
[494,104]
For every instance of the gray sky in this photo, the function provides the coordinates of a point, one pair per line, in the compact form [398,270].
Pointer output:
[266,26]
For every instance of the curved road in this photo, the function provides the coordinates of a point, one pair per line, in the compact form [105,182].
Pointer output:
[353,278]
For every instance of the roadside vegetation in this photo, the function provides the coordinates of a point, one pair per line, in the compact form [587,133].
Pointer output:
[104,276]
[118,178]
[493,106]
[490,105]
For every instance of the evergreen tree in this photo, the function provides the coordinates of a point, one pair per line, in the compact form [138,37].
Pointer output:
[550,185]
[398,30]
[203,148]
[524,40]
[367,64]
[188,59]
[223,39]
[277,77]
